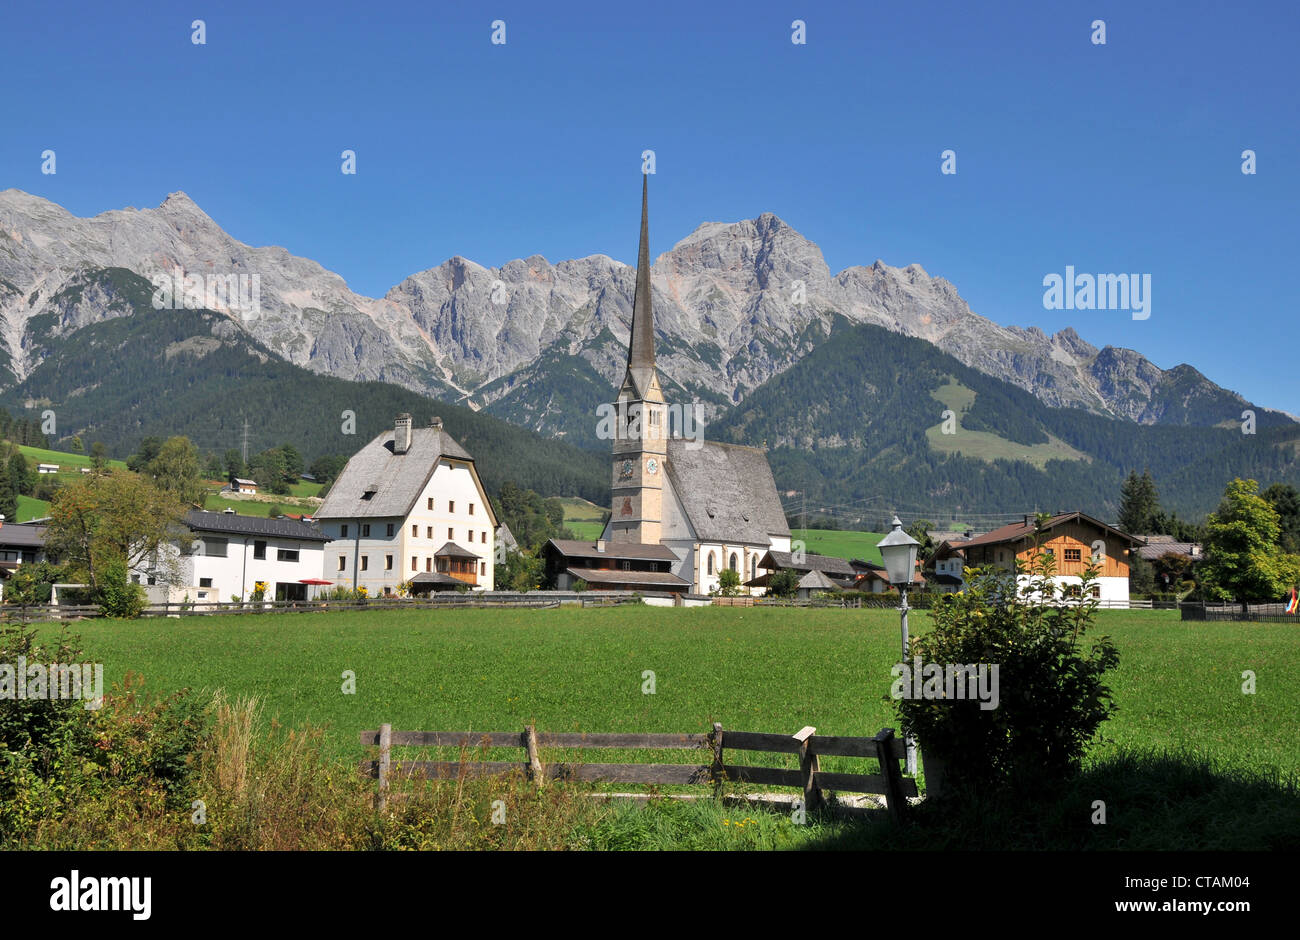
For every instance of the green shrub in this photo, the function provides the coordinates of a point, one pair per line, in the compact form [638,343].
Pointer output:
[118,596]
[783,583]
[1051,695]
[728,582]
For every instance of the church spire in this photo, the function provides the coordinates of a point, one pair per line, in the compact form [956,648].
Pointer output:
[641,348]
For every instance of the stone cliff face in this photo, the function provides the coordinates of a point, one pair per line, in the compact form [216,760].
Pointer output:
[735,304]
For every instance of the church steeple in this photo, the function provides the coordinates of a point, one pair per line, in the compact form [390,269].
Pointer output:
[641,349]
[641,435]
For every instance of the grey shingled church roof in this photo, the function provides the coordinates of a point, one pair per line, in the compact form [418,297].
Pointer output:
[398,478]
[727,491]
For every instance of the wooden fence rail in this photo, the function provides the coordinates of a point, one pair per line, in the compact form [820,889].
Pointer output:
[884,748]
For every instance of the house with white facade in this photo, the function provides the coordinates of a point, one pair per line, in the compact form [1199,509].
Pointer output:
[20,544]
[1074,540]
[409,509]
[227,555]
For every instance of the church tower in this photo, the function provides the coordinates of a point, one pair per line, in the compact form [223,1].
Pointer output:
[641,438]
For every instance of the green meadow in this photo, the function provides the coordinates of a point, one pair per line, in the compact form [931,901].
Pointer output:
[1178,686]
[64,459]
[840,543]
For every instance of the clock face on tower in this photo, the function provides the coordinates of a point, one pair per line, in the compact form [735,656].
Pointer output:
[625,471]
[652,466]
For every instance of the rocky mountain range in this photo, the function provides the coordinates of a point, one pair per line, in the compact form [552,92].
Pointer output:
[539,343]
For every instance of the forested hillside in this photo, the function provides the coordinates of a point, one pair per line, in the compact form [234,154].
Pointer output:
[863,416]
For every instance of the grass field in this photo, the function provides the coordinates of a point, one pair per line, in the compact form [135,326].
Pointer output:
[29,507]
[583,518]
[984,445]
[840,543]
[63,458]
[251,507]
[1178,685]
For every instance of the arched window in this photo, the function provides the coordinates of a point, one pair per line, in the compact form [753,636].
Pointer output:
[710,562]
[753,567]
[732,566]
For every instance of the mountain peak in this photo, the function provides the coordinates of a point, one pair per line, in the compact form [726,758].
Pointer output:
[178,200]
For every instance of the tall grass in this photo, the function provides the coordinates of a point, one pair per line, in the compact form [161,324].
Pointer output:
[259,786]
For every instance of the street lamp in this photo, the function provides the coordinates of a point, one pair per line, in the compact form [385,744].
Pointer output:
[898,550]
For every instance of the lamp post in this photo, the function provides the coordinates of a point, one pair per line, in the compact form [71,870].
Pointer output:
[898,550]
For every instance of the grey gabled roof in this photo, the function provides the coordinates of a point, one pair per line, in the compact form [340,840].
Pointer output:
[727,491]
[824,563]
[452,550]
[396,479]
[23,535]
[643,551]
[435,577]
[228,523]
[615,576]
[815,580]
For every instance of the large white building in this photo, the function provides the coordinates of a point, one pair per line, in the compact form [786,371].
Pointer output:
[228,555]
[409,508]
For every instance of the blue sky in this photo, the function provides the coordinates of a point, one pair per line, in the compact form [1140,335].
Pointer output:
[1116,158]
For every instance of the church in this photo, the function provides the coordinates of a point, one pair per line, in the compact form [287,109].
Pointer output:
[683,509]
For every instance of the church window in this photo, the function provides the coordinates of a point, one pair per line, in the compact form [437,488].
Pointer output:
[732,565]
[753,567]
[710,562]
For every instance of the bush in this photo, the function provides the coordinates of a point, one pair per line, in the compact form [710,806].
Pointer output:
[32,584]
[728,582]
[783,583]
[1051,697]
[118,596]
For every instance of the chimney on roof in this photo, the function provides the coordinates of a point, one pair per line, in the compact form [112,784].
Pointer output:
[600,545]
[402,434]
[435,423]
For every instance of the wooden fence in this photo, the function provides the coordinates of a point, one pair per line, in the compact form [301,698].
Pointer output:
[532,599]
[884,748]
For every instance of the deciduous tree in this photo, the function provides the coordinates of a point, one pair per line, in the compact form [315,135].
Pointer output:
[1243,560]
[119,516]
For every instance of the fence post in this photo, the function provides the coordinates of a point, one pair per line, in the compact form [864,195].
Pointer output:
[808,766]
[535,769]
[385,756]
[716,770]
[889,770]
